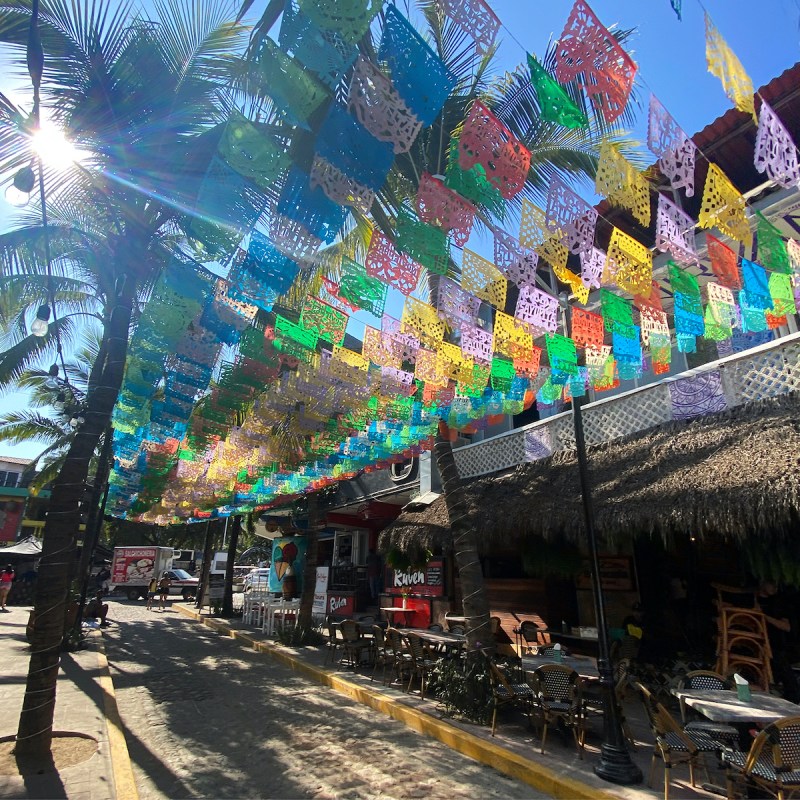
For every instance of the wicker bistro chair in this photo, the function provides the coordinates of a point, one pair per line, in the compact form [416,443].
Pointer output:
[354,645]
[773,763]
[557,699]
[335,644]
[706,679]
[381,655]
[592,699]
[422,662]
[674,745]
[398,655]
[507,693]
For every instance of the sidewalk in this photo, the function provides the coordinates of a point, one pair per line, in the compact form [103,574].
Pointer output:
[84,704]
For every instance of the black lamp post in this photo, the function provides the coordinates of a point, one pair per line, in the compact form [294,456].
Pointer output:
[615,761]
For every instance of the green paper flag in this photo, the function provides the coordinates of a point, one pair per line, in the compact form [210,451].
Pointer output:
[554,103]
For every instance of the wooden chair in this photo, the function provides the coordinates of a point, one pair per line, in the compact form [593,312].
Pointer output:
[557,698]
[592,700]
[673,745]
[422,662]
[381,655]
[773,763]
[334,644]
[505,693]
[706,679]
[354,644]
[400,658]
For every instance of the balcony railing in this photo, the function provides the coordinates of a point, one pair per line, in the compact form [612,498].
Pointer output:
[761,372]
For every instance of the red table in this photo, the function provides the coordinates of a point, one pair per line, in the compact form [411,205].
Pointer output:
[391,611]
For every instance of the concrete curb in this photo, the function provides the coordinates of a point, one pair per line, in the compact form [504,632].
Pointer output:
[489,753]
[124,781]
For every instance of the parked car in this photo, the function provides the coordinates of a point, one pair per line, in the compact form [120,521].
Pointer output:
[182,583]
[240,574]
[258,577]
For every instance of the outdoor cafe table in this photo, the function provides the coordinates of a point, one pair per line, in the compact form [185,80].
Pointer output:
[723,705]
[442,638]
[392,611]
[585,667]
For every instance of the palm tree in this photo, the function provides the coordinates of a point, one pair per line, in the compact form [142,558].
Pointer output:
[135,95]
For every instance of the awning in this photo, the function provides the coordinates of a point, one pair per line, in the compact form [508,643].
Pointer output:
[733,474]
[27,547]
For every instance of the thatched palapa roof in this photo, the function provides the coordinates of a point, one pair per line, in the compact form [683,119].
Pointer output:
[732,474]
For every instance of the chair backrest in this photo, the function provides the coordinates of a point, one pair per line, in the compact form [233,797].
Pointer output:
[661,721]
[494,622]
[394,641]
[529,632]
[378,636]
[417,648]
[458,629]
[703,679]
[350,630]
[498,678]
[436,627]
[368,620]
[556,682]
[783,740]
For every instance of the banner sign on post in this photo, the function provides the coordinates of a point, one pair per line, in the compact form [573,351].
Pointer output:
[320,590]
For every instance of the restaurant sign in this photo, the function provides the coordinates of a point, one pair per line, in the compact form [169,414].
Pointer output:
[427,580]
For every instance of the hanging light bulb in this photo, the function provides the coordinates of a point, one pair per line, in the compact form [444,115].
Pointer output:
[19,191]
[40,326]
[52,381]
[60,402]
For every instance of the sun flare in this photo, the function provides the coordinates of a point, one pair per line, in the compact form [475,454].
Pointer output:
[54,148]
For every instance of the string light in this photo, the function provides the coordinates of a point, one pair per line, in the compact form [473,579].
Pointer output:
[41,325]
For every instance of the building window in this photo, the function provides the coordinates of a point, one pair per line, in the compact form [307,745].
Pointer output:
[8,478]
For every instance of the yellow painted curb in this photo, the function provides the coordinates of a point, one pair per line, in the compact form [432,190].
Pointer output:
[124,782]
[512,764]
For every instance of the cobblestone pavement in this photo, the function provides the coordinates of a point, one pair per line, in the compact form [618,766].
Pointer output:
[205,717]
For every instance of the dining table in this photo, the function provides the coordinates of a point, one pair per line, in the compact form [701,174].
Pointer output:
[393,611]
[585,667]
[441,642]
[724,705]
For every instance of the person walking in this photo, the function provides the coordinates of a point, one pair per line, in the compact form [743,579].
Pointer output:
[152,591]
[163,590]
[6,579]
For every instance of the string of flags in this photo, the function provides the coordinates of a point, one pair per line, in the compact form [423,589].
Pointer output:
[219,414]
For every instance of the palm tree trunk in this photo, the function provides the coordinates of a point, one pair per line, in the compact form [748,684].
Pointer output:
[227,599]
[465,546]
[205,570]
[59,543]
[310,570]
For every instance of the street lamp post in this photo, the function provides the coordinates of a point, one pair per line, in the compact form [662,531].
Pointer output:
[615,763]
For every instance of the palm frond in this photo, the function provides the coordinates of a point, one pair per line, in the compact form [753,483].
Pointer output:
[32,350]
[22,426]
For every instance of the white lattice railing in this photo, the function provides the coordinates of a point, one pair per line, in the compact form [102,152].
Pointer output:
[766,371]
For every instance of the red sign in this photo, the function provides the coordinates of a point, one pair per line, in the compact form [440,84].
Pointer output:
[427,580]
[342,605]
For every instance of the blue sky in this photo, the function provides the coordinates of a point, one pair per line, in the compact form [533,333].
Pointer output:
[670,55]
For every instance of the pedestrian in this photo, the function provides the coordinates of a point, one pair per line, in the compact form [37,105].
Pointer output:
[6,579]
[104,579]
[152,591]
[97,608]
[163,590]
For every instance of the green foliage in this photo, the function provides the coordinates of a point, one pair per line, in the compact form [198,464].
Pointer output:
[292,635]
[773,560]
[463,687]
[402,560]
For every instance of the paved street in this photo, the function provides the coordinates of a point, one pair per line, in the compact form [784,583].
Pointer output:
[205,717]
